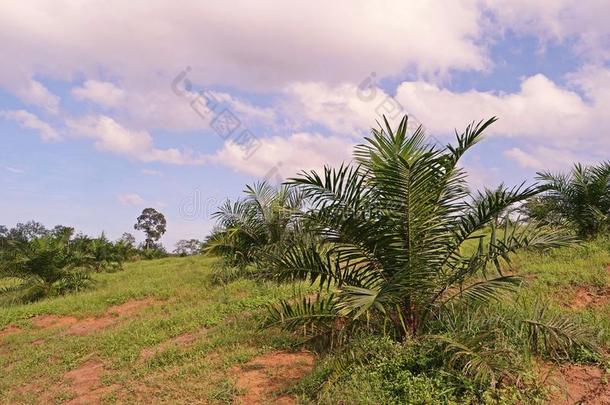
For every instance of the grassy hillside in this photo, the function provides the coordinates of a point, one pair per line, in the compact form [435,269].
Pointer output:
[158,329]
[161,331]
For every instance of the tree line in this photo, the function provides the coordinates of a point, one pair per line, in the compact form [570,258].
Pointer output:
[36,262]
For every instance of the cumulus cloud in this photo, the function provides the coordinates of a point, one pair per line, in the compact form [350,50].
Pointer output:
[548,119]
[130,199]
[35,93]
[244,46]
[242,43]
[557,124]
[346,108]
[338,108]
[110,136]
[30,121]
[282,157]
[105,94]
[244,109]
[583,23]
[545,158]
[540,109]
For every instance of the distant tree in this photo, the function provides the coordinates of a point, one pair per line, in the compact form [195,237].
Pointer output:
[153,224]
[188,247]
[60,230]
[3,236]
[128,239]
[28,231]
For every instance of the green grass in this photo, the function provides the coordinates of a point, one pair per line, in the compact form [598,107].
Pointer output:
[186,300]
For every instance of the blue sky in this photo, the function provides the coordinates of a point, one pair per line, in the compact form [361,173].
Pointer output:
[92,130]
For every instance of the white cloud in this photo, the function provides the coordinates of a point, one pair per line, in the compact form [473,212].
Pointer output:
[30,121]
[245,110]
[339,108]
[544,158]
[584,23]
[556,124]
[540,109]
[110,136]
[241,43]
[103,93]
[282,157]
[346,108]
[547,119]
[35,93]
[130,199]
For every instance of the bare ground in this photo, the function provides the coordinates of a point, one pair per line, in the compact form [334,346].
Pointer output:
[269,374]
[589,296]
[577,384]
[92,324]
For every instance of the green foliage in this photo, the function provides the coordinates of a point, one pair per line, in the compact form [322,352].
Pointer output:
[152,251]
[43,266]
[387,235]
[258,225]
[101,254]
[581,198]
[188,247]
[223,273]
[153,224]
[401,249]
[379,370]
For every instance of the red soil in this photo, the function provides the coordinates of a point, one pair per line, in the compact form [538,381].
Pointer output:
[92,324]
[588,296]
[9,330]
[267,374]
[577,384]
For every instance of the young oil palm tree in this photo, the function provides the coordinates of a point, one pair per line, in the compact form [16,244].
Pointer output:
[581,198]
[262,221]
[388,237]
[40,267]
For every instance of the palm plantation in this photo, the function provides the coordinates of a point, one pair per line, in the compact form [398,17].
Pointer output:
[395,273]
[580,199]
[44,266]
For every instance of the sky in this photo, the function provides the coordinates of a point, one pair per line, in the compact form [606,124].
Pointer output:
[108,107]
